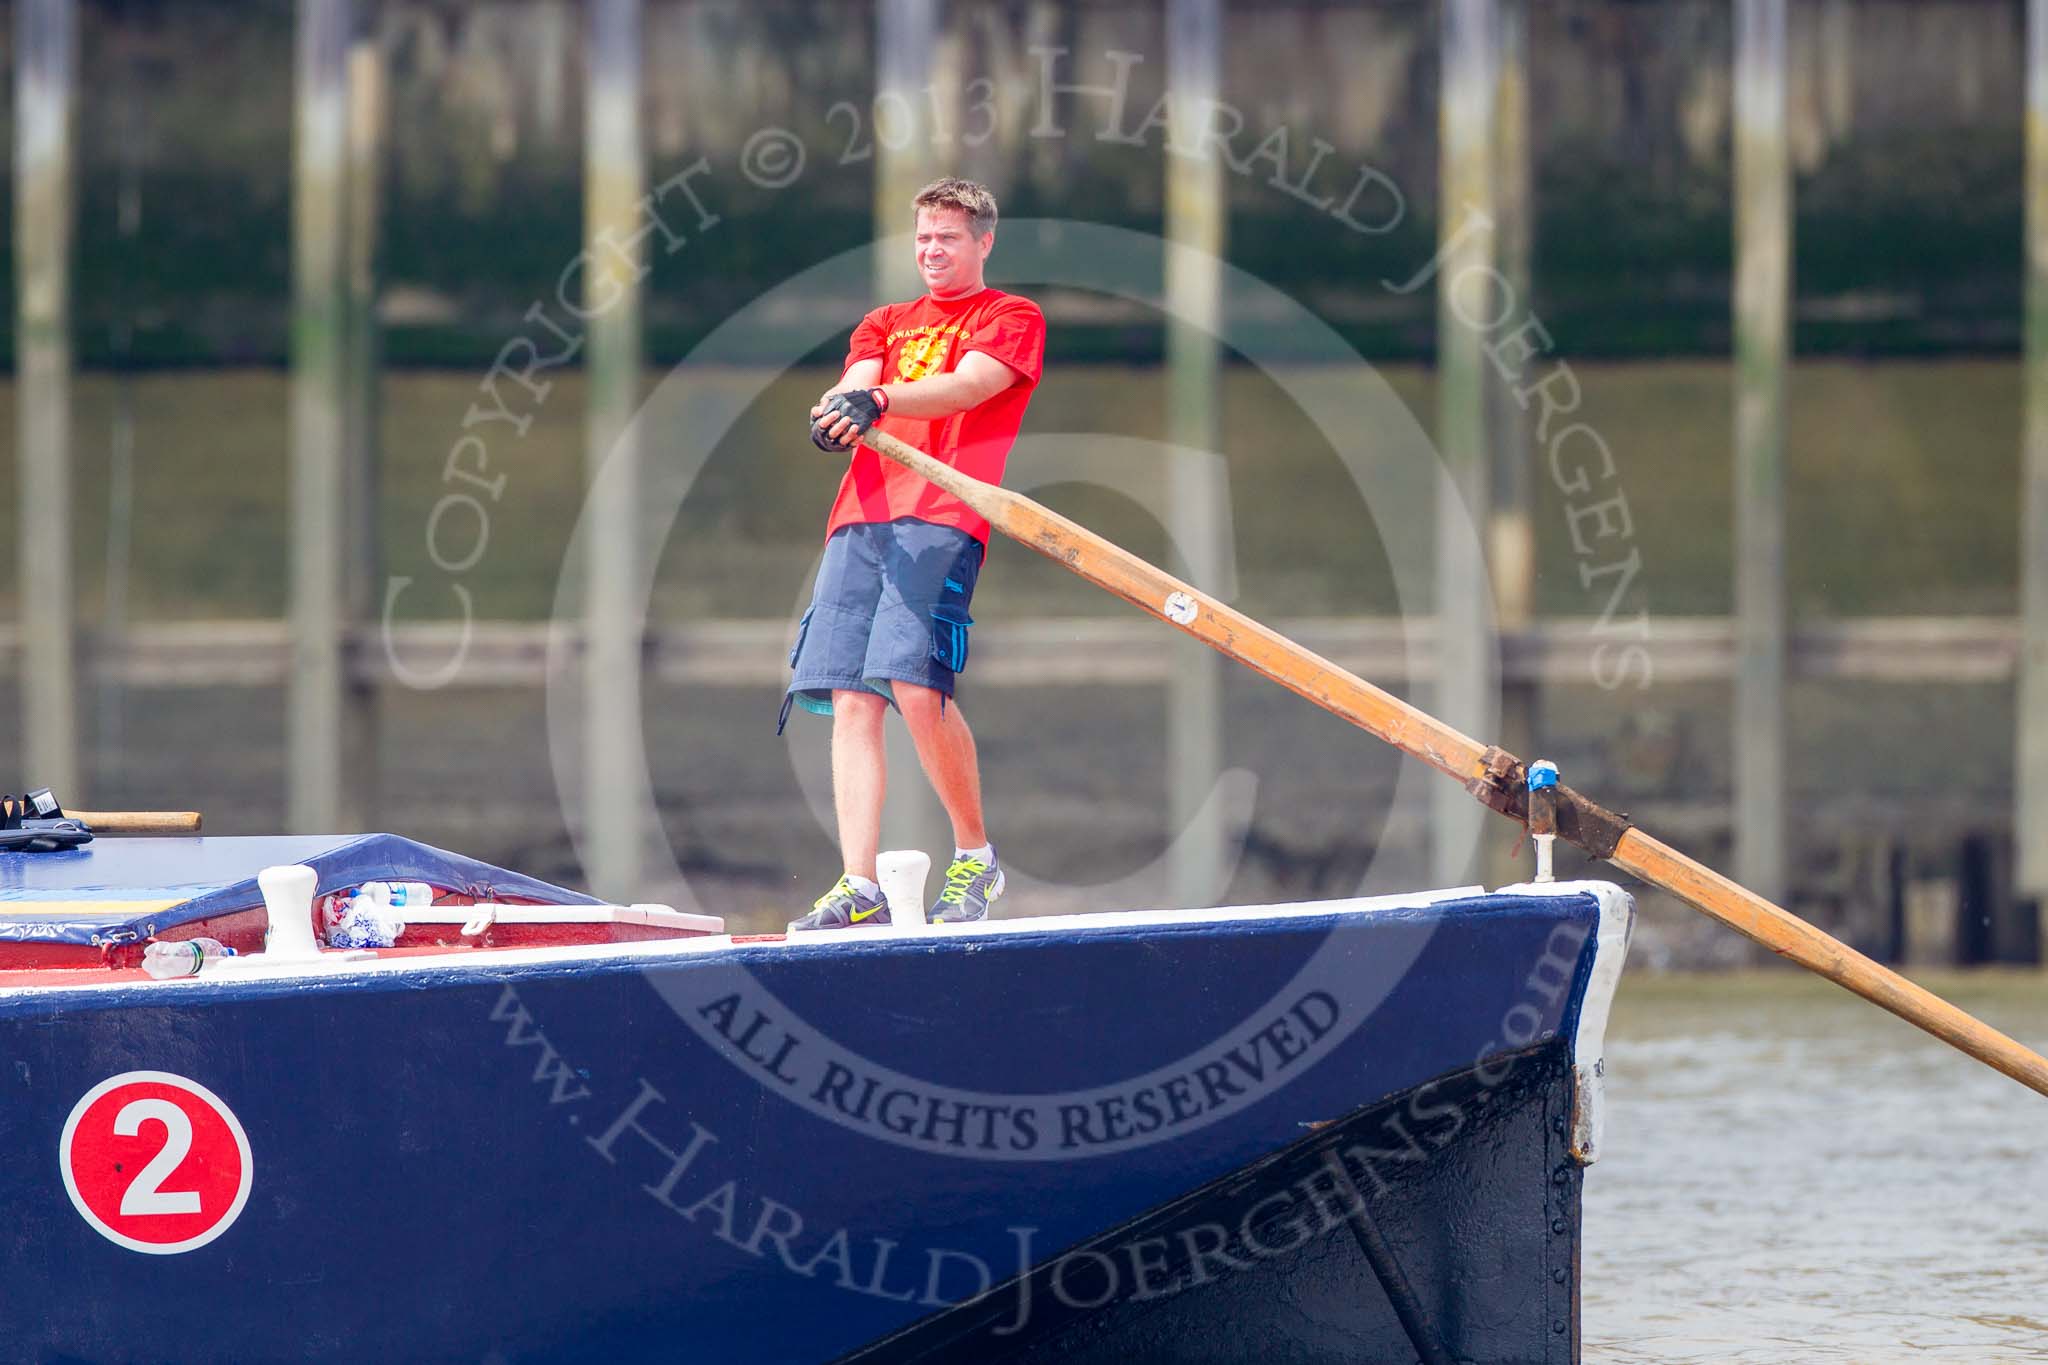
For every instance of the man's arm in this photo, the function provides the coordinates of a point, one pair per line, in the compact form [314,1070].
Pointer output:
[979,378]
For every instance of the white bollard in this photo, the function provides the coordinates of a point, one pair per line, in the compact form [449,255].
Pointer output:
[288,897]
[902,873]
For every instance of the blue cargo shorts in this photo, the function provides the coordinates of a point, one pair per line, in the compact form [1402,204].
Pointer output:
[890,606]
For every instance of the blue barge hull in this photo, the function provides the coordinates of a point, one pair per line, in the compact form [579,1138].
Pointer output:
[1215,1135]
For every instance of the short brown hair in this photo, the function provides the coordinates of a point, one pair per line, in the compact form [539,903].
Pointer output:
[965,195]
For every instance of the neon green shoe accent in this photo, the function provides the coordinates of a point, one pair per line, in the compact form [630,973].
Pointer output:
[843,907]
[960,877]
[972,885]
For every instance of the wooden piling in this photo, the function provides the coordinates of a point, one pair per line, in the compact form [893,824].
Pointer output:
[319,389]
[1512,540]
[2030,805]
[1763,280]
[46,72]
[361,449]
[1196,226]
[614,627]
[109,749]
[1467,686]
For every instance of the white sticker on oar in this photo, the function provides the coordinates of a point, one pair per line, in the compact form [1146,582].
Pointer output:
[1181,609]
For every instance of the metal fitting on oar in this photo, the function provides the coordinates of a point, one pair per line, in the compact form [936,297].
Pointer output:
[1543,815]
[1503,786]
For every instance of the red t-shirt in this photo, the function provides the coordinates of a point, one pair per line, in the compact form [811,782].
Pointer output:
[924,337]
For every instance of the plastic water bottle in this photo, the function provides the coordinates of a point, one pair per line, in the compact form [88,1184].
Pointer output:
[399,896]
[182,957]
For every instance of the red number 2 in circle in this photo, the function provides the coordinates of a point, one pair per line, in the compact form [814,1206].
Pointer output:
[155,1162]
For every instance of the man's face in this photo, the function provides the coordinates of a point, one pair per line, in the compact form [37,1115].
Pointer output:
[949,257]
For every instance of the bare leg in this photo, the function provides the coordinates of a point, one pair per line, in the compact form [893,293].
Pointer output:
[859,777]
[946,748]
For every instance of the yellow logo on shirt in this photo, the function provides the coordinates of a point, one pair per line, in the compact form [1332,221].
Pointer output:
[924,350]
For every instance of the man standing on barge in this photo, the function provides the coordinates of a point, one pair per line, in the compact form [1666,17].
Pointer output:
[951,373]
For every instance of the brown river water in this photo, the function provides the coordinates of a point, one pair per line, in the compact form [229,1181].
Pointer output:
[1792,1175]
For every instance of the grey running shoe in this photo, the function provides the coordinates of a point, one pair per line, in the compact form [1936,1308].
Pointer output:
[971,887]
[843,908]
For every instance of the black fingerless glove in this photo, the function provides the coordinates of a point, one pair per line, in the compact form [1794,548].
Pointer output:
[862,407]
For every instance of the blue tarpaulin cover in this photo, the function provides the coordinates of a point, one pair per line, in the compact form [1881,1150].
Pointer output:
[116,890]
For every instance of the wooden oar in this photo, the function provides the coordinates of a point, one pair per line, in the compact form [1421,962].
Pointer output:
[138,821]
[43,804]
[1494,776]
